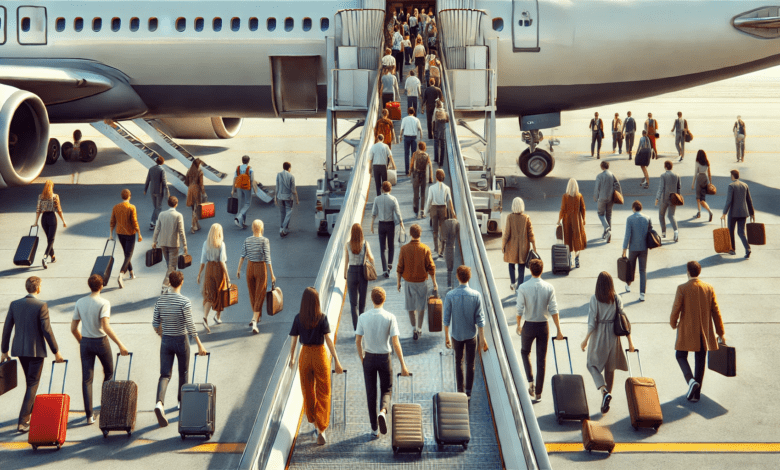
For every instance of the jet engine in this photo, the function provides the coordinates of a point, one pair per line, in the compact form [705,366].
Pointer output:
[201,128]
[24,136]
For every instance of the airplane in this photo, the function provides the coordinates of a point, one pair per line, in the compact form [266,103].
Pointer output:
[199,67]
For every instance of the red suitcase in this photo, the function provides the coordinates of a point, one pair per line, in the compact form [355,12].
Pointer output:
[394,110]
[206,210]
[49,421]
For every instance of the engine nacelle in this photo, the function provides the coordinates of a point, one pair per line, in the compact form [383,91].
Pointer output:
[24,136]
[201,128]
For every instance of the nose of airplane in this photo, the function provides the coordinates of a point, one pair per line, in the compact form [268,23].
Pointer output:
[763,22]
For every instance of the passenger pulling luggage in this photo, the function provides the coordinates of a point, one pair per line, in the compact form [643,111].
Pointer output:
[568,391]
[25,252]
[119,403]
[105,263]
[49,420]
[407,424]
[197,415]
[644,407]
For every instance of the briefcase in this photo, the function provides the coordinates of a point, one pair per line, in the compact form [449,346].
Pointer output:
[7,376]
[153,257]
[625,271]
[274,300]
[232,205]
[206,210]
[49,420]
[229,295]
[25,252]
[119,403]
[105,263]
[184,261]
[197,415]
[756,234]
[723,360]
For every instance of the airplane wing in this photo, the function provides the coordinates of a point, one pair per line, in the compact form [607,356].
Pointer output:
[55,85]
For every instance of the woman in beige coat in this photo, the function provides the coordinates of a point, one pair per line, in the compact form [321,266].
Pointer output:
[572,219]
[517,240]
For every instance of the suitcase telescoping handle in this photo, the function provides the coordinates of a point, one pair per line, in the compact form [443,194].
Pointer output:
[129,366]
[112,249]
[639,360]
[344,410]
[566,338]
[31,230]
[195,365]
[53,363]
[411,376]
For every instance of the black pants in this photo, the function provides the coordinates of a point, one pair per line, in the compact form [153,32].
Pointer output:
[629,142]
[357,285]
[380,176]
[439,150]
[386,240]
[90,349]
[429,110]
[700,358]
[387,98]
[539,332]
[470,347]
[373,365]
[596,138]
[32,367]
[739,224]
[420,63]
[520,273]
[49,225]
[128,246]
[173,347]
[399,63]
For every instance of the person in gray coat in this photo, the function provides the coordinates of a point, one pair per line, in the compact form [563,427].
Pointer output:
[169,235]
[669,184]
[159,186]
[680,129]
[603,194]
[635,243]
[738,206]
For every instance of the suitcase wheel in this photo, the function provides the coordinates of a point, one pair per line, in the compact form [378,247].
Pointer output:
[208,436]
[465,445]
[560,421]
[105,434]
[395,449]
[129,432]
[35,447]
[59,446]
[656,427]
[183,436]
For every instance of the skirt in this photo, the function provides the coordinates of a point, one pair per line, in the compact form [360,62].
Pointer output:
[416,295]
[257,282]
[701,187]
[213,285]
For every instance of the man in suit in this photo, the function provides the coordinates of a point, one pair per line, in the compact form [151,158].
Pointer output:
[651,126]
[629,129]
[596,127]
[635,243]
[159,185]
[30,316]
[694,314]
[669,184]
[739,205]
[680,128]
[603,194]
[431,95]
[168,232]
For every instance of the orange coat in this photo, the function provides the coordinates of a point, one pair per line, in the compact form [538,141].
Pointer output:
[415,262]
[695,311]
[573,216]
[517,238]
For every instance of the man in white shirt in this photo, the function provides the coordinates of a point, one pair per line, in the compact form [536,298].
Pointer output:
[375,330]
[379,157]
[436,206]
[388,61]
[411,129]
[413,89]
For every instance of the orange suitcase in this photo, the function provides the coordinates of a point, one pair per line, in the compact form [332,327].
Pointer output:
[722,239]
[49,420]
[597,437]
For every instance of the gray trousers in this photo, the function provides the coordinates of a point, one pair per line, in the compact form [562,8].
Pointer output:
[679,142]
[605,213]
[171,255]
[740,150]
[285,213]
[662,208]
[157,201]
[244,202]
[629,142]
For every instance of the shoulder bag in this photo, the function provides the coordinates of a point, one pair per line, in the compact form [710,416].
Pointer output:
[617,196]
[711,189]
[676,199]
[652,239]
[621,326]
[370,270]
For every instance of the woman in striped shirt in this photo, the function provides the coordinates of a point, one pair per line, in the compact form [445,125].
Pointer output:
[257,250]
[213,259]
[48,205]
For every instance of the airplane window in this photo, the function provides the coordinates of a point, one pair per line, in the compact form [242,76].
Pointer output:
[134,24]
[78,24]
[498,24]
[235,24]
[116,23]
[198,24]
[97,23]
[289,23]
[324,24]
[271,24]
[60,25]
[181,24]
[217,24]
[253,24]
[152,24]
[307,24]
[25,24]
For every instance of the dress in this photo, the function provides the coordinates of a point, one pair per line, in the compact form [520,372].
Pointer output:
[605,350]
[573,216]
[214,282]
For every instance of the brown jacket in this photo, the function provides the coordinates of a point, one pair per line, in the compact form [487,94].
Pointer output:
[415,262]
[517,238]
[573,217]
[696,308]
[125,219]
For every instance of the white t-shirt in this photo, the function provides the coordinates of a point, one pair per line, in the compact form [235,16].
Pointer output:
[388,61]
[89,310]
[377,326]
[412,86]
[379,153]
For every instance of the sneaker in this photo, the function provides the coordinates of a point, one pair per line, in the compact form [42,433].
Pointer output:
[604,235]
[609,236]
[237,222]
[178,406]
[375,434]
[120,282]
[217,320]
[254,329]
[386,274]
[23,428]
[382,422]
[628,288]
[538,397]
[92,419]
[663,234]
[43,261]
[747,255]
[389,268]
[415,335]
[577,262]
[151,226]
[693,388]
[159,410]
[531,390]
[321,440]
[605,402]
[512,287]
[642,297]
[676,236]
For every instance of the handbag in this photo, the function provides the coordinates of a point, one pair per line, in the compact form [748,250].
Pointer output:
[229,295]
[653,240]
[621,325]
[676,199]
[368,266]
[184,261]
[532,255]
[402,236]
[711,189]
[688,136]
[617,197]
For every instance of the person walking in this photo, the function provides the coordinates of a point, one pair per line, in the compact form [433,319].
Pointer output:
[388,88]
[463,310]
[124,219]
[629,130]
[414,265]
[407,45]
[596,127]
[436,206]
[651,126]
[379,159]
[94,312]
[30,317]
[702,177]
[433,67]
[617,134]
[422,170]
[257,251]
[388,60]
[572,220]
[414,19]
[604,195]
[172,320]
[196,191]
[516,242]
[411,130]
[397,53]
[644,143]
[431,96]
[441,118]
[536,300]
[738,206]
[387,210]
[169,231]
[739,138]
[635,243]
[419,56]
[356,252]
[413,91]
[214,259]
[450,238]
[158,183]
[431,39]
[311,327]
[48,206]
[285,190]
[605,354]
[669,184]
[680,129]
[376,330]
[385,127]
[244,183]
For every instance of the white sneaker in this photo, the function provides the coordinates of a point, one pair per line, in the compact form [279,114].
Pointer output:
[159,410]
[382,422]
[120,281]
[375,434]
[254,328]
[642,297]
[178,407]
[512,287]
[92,419]
[676,235]
[238,224]
[628,288]
[321,440]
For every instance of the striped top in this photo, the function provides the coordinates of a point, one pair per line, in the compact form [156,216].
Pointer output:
[51,204]
[125,219]
[174,312]
[257,250]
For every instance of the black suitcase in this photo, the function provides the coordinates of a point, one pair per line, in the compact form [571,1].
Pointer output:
[560,255]
[625,271]
[232,205]
[197,415]
[723,360]
[104,263]
[119,403]
[25,252]
[7,376]
[568,391]
[153,257]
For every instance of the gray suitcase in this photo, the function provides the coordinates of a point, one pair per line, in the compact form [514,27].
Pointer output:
[407,425]
[198,406]
[25,252]
[560,256]
[450,413]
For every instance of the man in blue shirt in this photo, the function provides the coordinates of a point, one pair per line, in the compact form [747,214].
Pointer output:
[635,241]
[463,309]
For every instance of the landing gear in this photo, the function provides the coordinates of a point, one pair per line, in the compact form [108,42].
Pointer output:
[536,164]
[67,152]
[88,151]
[53,152]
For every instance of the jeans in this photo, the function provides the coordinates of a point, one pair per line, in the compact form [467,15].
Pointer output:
[617,141]
[157,201]
[662,207]
[357,285]
[740,150]
[539,332]
[520,273]
[629,142]
[438,216]
[244,201]
[410,146]
[170,347]
[700,358]
[285,214]
[386,240]
[411,102]
[380,176]
[32,367]
[171,255]
[128,246]
[377,365]
[470,347]
[739,223]
[679,142]
[419,187]
[49,226]
[642,256]
[596,138]
[605,213]
[439,150]
[90,349]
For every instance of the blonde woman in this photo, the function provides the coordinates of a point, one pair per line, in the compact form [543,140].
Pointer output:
[414,23]
[516,242]
[196,192]
[572,219]
[257,251]
[48,205]
[213,259]
[419,56]
[356,251]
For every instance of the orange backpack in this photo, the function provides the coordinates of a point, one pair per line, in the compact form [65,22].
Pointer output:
[243,181]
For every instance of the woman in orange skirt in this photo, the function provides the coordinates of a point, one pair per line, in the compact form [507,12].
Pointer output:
[572,218]
[257,250]
[312,326]
[213,259]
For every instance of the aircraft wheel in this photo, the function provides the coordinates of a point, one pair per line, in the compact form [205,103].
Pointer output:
[53,152]
[88,151]
[67,151]
[537,164]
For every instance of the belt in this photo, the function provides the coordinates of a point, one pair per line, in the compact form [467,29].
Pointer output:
[313,345]
[387,221]
[378,355]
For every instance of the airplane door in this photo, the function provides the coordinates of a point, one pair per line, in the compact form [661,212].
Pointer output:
[31,25]
[525,25]
[2,25]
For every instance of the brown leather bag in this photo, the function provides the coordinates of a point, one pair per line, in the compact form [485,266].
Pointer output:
[711,189]
[229,295]
[676,199]
[274,300]
[617,197]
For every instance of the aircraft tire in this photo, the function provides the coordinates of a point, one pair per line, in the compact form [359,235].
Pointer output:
[53,152]
[88,151]
[537,164]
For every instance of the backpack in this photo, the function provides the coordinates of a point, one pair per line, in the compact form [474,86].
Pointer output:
[243,181]
[421,162]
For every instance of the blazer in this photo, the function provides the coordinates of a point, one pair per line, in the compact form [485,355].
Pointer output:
[430,95]
[157,180]
[606,185]
[738,200]
[170,229]
[670,183]
[637,226]
[517,238]
[596,125]
[30,316]
[695,312]
[676,127]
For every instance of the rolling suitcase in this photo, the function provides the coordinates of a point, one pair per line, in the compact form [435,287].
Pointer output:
[153,257]
[392,177]
[644,407]
[7,376]
[49,421]
[232,205]
[597,437]
[198,406]
[119,403]
[625,270]
[568,391]
[25,252]
[722,239]
[274,300]
[104,263]
[435,310]
[394,110]
[206,210]
[560,255]
[723,360]
[756,234]
[407,425]
[450,414]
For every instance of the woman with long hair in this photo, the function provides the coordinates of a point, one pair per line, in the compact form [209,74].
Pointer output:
[701,179]
[313,329]
[739,137]
[517,239]
[48,205]
[356,251]
[214,260]
[419,57]
[605,354]
[644,143]
[572,219]
[196,192]
[257,250]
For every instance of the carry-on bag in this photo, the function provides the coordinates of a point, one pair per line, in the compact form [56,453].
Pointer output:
[392,176]
[49,421]
[197,415]
[676,199]
[560,254]
[435,312]
[394,110]
[711,189]
[7,375]
[652,239]
[625,270]
[153,257]
[232,205]
[450,413]
[597,437]
[644,407]
[105,263]
[274,300]
[568,391]
[206,210]
[28,245]
[723,360]
[756,234]
[722,239]
[407,424]
[119,402]
[532,255]
[184,261]
[229,295]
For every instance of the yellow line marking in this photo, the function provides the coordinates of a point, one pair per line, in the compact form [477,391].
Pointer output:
[675,447]
[207,448]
